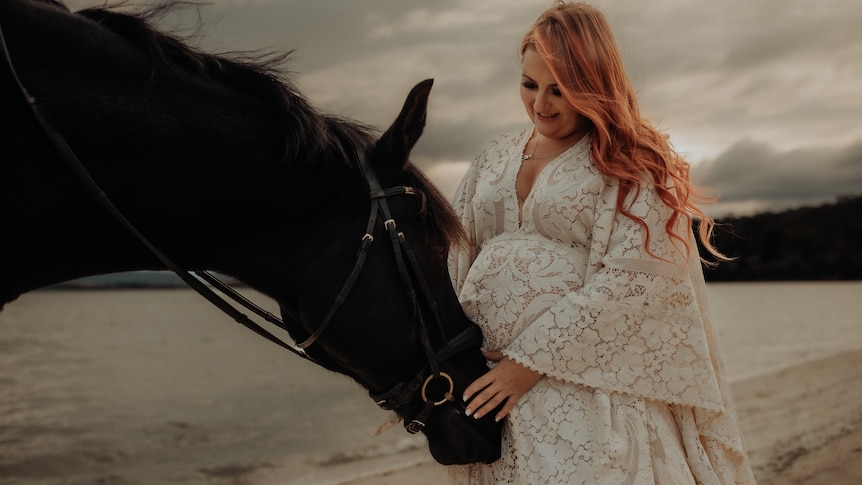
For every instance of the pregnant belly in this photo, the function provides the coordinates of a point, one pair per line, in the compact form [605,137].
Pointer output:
[514,281]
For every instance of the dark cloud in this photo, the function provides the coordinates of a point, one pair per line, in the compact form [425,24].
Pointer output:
[780,75]
[756,174]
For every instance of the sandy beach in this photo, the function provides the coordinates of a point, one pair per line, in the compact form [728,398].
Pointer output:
[801,425]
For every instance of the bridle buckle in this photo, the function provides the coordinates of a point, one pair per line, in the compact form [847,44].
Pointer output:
[415,426]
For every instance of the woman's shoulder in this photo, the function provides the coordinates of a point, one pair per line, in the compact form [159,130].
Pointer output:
[500,148]
[509,139]
[578,160]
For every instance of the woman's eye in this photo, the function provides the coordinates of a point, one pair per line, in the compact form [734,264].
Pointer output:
[528,85]
[556,92]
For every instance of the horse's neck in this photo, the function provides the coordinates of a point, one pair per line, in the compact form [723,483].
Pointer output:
[55,230]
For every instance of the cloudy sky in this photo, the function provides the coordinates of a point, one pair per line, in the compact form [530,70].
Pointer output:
[763,97]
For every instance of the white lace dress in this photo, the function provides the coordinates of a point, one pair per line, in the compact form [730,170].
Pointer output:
[633,389]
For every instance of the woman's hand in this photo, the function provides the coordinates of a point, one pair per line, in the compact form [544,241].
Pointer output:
[507,381]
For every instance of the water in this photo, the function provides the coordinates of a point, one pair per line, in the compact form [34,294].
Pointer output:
[157,386]
[764,327]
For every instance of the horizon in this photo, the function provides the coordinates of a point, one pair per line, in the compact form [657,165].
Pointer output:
[166,279]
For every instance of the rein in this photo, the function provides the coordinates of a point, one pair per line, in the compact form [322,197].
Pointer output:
[409,270]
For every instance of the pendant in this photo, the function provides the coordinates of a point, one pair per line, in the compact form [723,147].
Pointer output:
[524,158]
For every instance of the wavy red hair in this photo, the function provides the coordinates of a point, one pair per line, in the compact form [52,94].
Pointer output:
[576,42]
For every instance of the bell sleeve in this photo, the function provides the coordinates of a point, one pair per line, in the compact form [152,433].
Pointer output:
[461,256]
[639,325]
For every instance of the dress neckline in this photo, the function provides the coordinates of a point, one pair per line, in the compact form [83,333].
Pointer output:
[519,163]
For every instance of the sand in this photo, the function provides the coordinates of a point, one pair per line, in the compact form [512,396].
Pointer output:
[801,425]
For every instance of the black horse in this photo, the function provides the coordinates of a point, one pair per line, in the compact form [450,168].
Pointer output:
[223,166]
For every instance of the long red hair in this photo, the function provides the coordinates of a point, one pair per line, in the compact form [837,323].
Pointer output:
[578,46]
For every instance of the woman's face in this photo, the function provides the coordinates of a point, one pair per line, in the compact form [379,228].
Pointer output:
[550,113]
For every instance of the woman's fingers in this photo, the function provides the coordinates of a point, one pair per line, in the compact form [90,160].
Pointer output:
[507,381]
[491,403]
[488,396]
[477,386]
[486,379]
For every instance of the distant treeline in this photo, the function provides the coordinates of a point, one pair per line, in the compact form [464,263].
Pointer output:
[814,243]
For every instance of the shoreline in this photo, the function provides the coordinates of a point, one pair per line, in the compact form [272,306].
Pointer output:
[801,425]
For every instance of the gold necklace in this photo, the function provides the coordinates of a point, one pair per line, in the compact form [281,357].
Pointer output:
[532,156]
[526,157]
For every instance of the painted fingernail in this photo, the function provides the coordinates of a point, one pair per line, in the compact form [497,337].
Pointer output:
[468,411]
[498,418]
[477,415]
[466,398]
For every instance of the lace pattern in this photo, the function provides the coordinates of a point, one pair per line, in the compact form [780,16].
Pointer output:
[633,389]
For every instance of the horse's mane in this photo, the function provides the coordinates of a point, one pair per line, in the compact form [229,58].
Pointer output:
[261,75]
[174,61]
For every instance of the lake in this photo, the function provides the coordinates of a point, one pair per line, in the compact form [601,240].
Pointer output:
[158,386]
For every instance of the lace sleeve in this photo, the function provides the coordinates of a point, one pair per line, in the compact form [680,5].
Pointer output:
[461,256]
[635,326]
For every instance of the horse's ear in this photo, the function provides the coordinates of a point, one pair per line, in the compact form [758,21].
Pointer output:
[399,139]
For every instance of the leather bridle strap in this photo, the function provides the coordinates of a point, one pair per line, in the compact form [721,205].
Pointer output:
[398,248]
[378,205]
[406,261]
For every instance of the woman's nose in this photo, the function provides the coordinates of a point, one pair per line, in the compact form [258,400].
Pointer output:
[540,102]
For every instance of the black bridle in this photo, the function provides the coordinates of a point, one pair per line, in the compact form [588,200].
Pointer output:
[427,381]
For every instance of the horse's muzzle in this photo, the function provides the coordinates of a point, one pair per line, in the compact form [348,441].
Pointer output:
[457,439]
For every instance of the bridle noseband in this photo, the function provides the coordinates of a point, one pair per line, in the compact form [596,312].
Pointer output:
[427,381]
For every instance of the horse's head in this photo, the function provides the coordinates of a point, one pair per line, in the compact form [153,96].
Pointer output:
[400,322]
